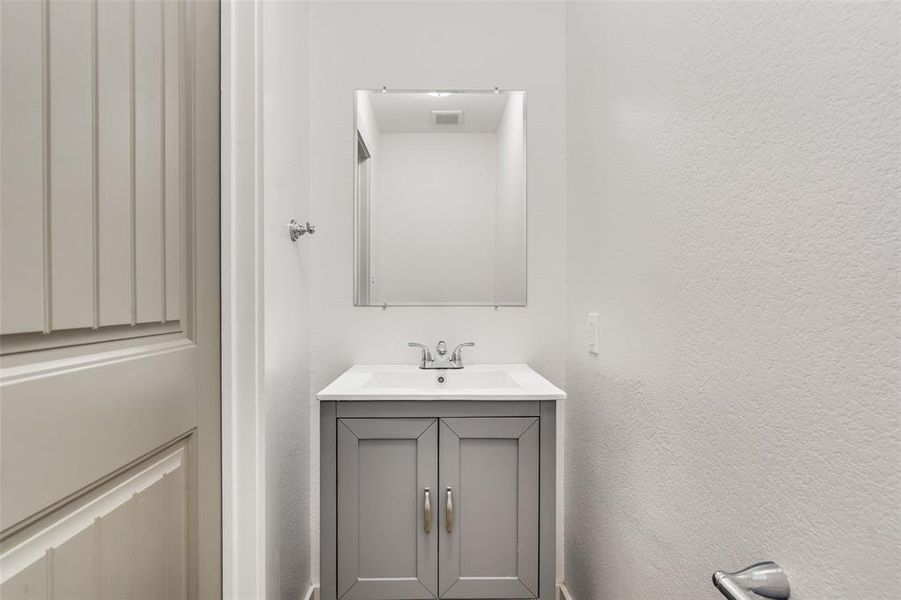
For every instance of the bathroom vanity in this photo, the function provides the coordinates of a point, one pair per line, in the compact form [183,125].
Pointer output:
[438,483]
[439,480]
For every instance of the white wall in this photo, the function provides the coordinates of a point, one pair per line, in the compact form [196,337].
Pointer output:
[734,218]
[434,45]
[510,210]
[436,218]
[286,272]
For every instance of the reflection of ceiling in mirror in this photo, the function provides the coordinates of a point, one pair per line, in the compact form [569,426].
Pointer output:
[398,112]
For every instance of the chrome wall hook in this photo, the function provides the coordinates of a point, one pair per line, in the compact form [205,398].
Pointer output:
[296,230]
[763,580]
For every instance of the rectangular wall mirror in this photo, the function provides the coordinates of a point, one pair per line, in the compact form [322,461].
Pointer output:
[440,198]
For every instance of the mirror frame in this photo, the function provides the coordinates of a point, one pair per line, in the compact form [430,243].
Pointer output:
[356,215]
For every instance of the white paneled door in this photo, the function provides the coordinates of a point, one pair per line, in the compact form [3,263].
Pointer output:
[109,299]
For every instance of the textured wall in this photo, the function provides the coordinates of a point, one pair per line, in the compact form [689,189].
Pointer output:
[733,216]
[286,273]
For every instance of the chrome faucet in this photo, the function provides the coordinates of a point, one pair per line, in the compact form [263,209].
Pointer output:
[441,359]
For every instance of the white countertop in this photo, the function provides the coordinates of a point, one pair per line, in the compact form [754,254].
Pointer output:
[409,382]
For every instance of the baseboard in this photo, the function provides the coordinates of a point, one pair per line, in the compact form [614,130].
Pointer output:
[313,593]
[563,592]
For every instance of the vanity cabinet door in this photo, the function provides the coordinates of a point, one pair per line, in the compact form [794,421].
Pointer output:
[387,529]
[489,508]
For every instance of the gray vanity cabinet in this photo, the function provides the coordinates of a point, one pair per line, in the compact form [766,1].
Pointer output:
[445,499]
[489,475]
[386,471]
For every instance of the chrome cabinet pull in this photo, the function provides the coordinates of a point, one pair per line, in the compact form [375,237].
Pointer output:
[427,513]
[449,511]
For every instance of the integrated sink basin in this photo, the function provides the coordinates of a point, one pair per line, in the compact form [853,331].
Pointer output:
[473,382]
[458,380]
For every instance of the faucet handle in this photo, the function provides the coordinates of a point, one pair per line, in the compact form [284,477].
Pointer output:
[426,354]
[457,354]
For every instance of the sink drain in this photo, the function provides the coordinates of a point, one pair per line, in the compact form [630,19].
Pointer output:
[441,379]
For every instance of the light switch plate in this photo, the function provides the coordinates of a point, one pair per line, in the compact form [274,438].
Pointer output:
[593,333]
